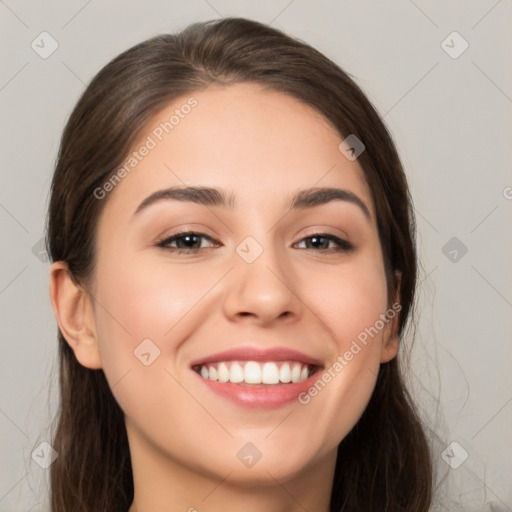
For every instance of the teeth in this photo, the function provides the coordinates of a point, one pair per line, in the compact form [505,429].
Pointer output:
[270,373]
[252,372]
[285,374]
[213,373]
[296,372]
[223,372]
[236,373]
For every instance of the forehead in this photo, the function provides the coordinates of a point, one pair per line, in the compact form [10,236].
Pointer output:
[260,145]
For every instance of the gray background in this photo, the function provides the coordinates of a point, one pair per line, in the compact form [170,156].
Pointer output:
[451,120]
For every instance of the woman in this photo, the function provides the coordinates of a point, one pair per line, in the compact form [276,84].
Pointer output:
[233,269]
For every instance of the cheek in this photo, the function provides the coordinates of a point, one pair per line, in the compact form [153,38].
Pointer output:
[348,299]
[148,307]
[147,300]
[351,310]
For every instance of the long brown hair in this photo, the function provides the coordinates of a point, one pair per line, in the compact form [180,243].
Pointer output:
[384,463]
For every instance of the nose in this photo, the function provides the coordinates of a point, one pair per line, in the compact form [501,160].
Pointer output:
[262,291]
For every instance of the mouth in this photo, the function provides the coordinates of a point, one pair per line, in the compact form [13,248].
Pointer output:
[254,373]
[259,378]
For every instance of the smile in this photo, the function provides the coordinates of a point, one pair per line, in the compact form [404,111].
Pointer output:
[257,378]
[254,372]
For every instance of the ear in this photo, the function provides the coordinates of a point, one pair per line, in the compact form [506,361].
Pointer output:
[75,315]
[391,341]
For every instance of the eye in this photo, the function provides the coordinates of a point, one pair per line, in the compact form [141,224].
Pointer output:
[322,241]
[186,242]
[191,242]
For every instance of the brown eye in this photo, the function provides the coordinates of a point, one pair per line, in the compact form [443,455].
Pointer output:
[322,240]
[186,242]
[191,242]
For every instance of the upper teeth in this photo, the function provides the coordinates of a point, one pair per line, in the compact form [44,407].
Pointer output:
[252,372]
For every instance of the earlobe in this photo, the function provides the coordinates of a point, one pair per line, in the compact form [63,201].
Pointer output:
[75,316]
[389,349]
[391,340]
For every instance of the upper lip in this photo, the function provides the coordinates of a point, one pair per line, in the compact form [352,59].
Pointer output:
[259,354]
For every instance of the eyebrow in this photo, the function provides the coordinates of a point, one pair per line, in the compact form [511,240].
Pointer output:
[211,196]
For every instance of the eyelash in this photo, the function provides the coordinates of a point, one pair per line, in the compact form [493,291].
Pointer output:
[343,245]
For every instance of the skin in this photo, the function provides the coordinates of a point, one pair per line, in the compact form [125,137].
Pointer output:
[263,146]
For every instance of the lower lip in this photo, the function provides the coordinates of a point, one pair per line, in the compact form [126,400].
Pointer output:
[262,397]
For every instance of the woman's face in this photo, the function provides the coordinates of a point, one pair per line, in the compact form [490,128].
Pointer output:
[187,326]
